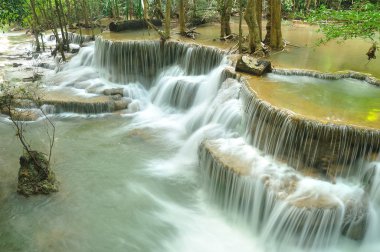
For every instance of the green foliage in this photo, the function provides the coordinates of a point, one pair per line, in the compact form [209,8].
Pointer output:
[287,5]
[362,20]
[13,11]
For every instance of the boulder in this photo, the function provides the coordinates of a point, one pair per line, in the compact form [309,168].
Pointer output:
[248,64]
[121,104]
[113,91]
[35,176]
[74,48]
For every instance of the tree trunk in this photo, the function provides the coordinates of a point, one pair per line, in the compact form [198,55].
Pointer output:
[131,9]
[275,33]
[85,13]
[60,23]
[228,17]
[64,19]
[181,17]
[250,17]
[35,24]
[308,5]
[69,15]
[116,5]
[158,10]
[240,27]
[150,24]
[268,26]
[225,8]
[194,8]
[167,18]
[259,4]
[146,7]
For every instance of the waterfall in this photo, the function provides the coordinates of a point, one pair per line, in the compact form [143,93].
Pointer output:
[332,150]
[74,38]
[137,61]
[278,203]
[292,181]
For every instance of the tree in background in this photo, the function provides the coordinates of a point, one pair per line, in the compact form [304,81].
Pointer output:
[251,17]
[12,12]
[167,18]
[275,38]
[224,9]
[361,20]
[181,17]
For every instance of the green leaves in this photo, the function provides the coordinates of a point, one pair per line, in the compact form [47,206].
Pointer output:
[362,20]
[12,11]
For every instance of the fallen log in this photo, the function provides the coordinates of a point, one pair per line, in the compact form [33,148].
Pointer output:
[132,25]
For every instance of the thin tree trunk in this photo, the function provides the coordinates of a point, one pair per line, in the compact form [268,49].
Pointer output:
[158,11]
[42,42]
[85,13]
[181,17]
[268,26]
[228,17]
[69,13]
[131,9]
[146,18]
[308,5]
[60,23]
[35,24]
[66,41]
[259,4]
[222,22]
[250,17]
[225,8]
[240,27]
[167,18]
[194,8]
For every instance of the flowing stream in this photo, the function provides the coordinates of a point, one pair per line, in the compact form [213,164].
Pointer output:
[133,181]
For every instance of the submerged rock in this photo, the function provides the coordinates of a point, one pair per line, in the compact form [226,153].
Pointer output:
[253,66]
[114,91]
[121,104]
[26,115]
[35,176]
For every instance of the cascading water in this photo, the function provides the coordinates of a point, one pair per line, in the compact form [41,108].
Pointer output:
[209,139]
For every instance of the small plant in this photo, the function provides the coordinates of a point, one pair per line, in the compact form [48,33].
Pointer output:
[35,176]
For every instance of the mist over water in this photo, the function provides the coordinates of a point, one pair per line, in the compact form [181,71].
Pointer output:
[132,181]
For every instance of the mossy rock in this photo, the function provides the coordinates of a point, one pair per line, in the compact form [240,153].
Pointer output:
[35,176]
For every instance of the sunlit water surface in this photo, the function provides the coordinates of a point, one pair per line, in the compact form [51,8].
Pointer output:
[346,101]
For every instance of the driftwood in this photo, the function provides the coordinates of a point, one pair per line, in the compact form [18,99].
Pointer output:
[287,43]
[231,37]
[132,25]
[372,52]
[191,33]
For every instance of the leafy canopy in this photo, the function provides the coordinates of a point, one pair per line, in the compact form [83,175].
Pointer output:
[362,20]
[12,11]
